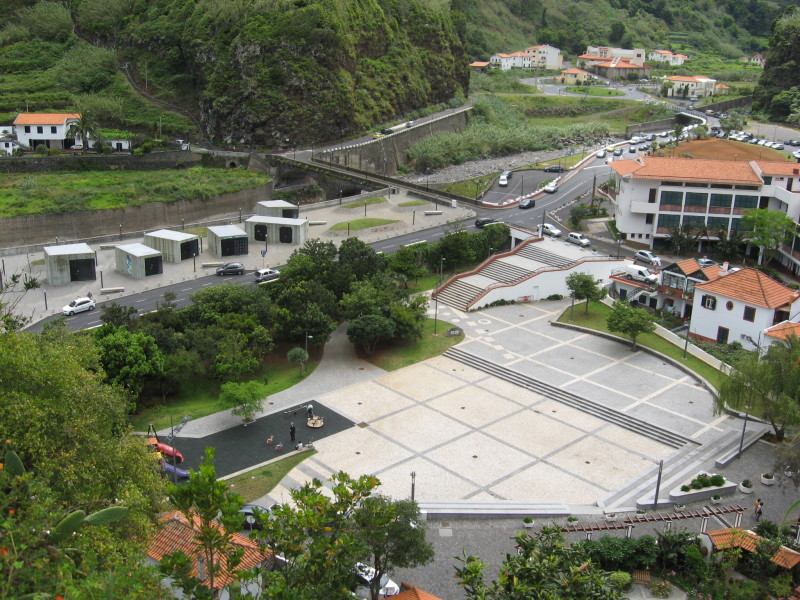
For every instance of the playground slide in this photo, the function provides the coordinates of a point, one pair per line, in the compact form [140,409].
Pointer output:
[168,468]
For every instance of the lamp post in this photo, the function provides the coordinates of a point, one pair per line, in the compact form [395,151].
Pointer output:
[308,337]
[435,314]
[442,260]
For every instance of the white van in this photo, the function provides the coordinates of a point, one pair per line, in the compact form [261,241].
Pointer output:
[640,273]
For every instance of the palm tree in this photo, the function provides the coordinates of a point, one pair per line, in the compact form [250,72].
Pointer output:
[84,127]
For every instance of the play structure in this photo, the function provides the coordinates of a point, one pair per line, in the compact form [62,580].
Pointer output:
[164,449]
[170,470]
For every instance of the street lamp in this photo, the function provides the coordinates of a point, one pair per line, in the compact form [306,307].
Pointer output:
[435,314]
[308,337]
[442,260]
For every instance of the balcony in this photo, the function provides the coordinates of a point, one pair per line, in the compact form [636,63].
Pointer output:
[649,208]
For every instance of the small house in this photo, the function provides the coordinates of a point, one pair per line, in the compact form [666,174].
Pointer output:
[174,246]
[68,263]
[227,240]
[138,261]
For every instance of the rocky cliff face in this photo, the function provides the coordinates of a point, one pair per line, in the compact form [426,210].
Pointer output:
[286,73]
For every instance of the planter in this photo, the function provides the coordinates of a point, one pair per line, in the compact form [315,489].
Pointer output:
[611,518]
[768,480]
[679,507]
[680,497]
[527,525]
[745,490]
[716,500]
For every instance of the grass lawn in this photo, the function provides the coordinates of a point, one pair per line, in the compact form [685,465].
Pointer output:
[567,161]
[413,203]
[596,319]
[259,482]
[365,223]
[200,397]
[56,192]
[402,354]
[469,187]
[426,282]
[595,91]
[361,203]
[198,231]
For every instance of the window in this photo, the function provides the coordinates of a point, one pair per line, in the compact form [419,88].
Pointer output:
[737,225]
[651,199]
[721,200]
[39,129]
[749,313]
[709,302]
[669,220]
[27,128]
[672,198]
[53,129]
[746,201]
[648,219]
[694,220]
[767,180]
[723,186]
[696,199]
[671,280]
[718,223]
[722,335]
[746,187]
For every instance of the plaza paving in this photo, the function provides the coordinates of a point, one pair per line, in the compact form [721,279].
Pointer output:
[471,436]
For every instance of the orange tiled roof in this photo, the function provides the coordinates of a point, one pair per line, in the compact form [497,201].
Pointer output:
[736,538]
[779,168]
[622,64]
[574,71]
[694,169]
[722,86]
[411,592]
[689,78]
[626,166]
[783,331]
[44,118]
[478,63]
[178,534]
[632,282]
[688,266]
[513,54]
[681,56]
[752,287]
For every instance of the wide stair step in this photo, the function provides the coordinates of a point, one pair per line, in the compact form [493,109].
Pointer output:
[458,294]
[491,508]
[654,432]
[539,254]
[504,272]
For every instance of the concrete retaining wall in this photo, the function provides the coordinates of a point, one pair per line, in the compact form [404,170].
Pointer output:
[77,162]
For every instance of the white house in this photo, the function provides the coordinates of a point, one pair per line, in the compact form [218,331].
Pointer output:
[779,334]
[695,85]
[654,194]
[545,57]
[515,60]
[615,62]
[667,57]
[50,129]
[738,306]
[8,144]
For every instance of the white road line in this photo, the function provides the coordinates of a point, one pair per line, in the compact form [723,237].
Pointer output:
[144,300]
[186,290]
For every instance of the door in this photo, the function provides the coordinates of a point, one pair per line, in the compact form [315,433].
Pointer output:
[233,246]
[722,335]
[153,266]
[82,269]
[285,235]
[260,232]
[190,249]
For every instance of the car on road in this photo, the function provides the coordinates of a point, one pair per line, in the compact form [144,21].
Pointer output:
[377,134]
[482,222]
[617,151]
[646,256]
[705,262]
[364,574]
[504,177]
[644,147]
[601,154]
[554,169]
[551,230]
[253,515]
[78,305]
[575,237]
[263,275]
[527,203]
[551,188]
[632,149]
[234,268]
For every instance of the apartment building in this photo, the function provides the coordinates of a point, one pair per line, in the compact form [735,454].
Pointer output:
[667,57]
[545,57]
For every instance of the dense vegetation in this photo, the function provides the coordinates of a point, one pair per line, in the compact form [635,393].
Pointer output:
[30,194]
[778,94]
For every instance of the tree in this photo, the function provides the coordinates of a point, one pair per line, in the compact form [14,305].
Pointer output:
[85,127]
[298,356]
[545,568]
[630,321]
[735,121]
[583,286]
[407,262]
[362,260]
[214,509]
[771,228]
[369,330]
[770,382]
[394,534]
[685,237]
[245,398]
[729,246]
[129,358]
[576,214]
[617,31]
[118,315]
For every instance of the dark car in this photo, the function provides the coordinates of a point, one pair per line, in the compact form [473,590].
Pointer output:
[617,151]
[527,203]
[482,222]
[554,169]
[253,513]
[231,269]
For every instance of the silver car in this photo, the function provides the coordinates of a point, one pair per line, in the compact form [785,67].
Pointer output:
[78,305]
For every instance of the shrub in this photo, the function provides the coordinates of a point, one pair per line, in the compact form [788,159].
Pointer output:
[685,488]
[717,480]
[661,589]
[747,483]
[555,297]
[620,580]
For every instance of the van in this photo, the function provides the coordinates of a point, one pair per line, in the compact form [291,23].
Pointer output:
[578,238]
[640,273]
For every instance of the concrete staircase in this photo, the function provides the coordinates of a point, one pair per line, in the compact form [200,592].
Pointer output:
[458,294]
[491,509]
[539,254]
[654,432]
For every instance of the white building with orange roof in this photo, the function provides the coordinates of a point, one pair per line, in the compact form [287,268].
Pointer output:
[694,85]
[574,75]
[667,57]
[739,306]
[615,62]
[515,60]
[49,129]
[545,57]
[780,334]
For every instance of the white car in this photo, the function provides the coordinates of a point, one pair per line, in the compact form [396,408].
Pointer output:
[705,262]
[581,240]
[364,574]
[551,230]
[551,188]
[646,256]
[78,305]
[601,154]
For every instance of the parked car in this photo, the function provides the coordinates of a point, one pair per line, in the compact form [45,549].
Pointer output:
[578,238]
[253,515]
[482,222]
[646,256]
[554,169]
[705,262]
[504,177]
[234,268]
[364,574]
[640,273]
[617,151]
[601,154]
[527,203]
[263,275]
[632,149]
[78,305]
[551,188]
[551,230]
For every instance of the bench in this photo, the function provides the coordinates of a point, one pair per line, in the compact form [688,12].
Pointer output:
[111,290]
[429,213]
[641,576]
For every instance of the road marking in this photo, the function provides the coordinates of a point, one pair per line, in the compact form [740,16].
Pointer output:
[143,300]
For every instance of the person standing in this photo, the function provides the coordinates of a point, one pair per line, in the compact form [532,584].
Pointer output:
[292,430]
[756,506]
[759,510]
[310,411]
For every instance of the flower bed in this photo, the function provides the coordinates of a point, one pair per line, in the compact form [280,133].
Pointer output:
[701,487]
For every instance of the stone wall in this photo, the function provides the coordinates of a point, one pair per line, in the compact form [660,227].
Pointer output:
[77,162]
[27,232]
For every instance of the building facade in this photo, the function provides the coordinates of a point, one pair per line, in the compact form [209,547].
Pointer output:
[695,85]
[545,57]
[515,60]
[667,57]
[48,129]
